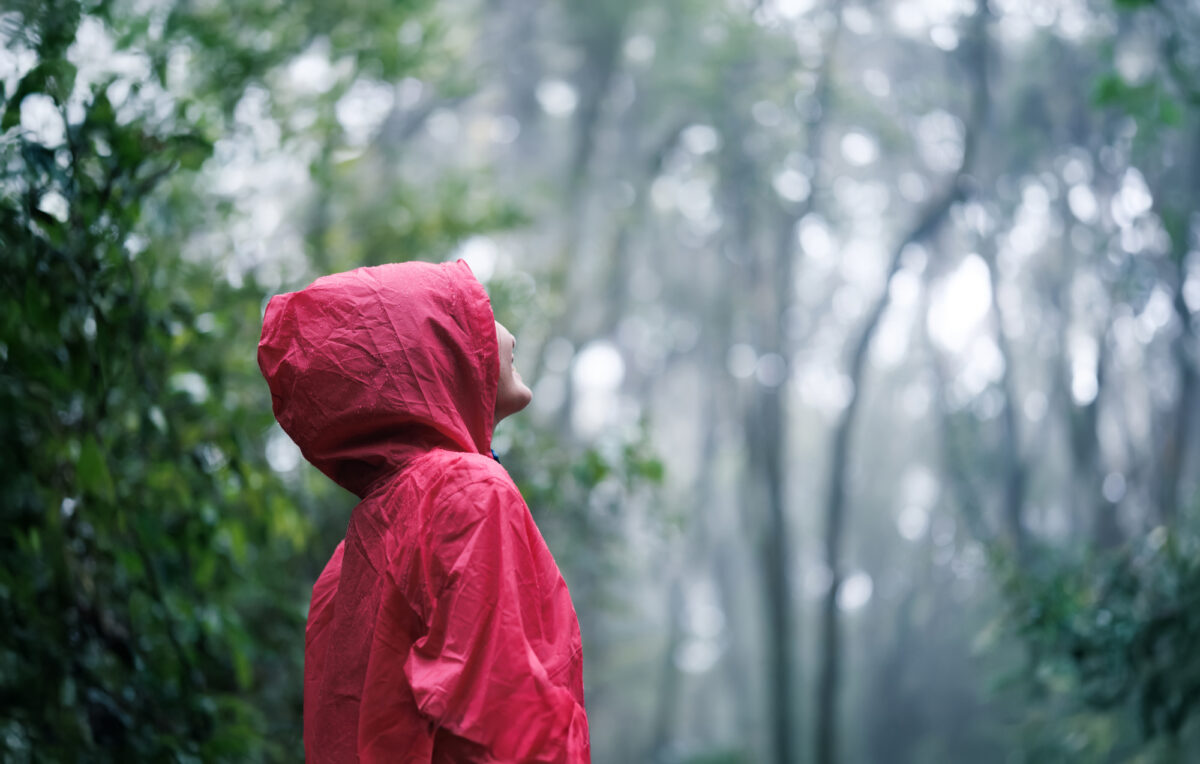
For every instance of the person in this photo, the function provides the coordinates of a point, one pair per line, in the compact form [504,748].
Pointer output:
[441,629]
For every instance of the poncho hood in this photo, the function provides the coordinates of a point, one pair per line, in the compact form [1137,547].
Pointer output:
[372,367]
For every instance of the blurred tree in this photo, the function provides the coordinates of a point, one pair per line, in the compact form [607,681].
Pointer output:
[155,570]
[147,601]
[1109,627]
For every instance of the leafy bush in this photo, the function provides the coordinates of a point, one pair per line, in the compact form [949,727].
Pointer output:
[1111,639]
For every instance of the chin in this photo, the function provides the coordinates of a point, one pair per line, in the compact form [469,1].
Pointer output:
[513,401]
[526,397]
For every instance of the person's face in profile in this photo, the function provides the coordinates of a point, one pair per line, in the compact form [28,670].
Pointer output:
[512,394]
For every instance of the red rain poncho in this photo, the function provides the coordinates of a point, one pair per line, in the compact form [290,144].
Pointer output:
[441,630]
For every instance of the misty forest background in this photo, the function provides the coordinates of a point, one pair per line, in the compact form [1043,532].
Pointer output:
[863,336]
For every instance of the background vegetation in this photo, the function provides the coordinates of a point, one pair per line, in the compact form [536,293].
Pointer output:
[864,337]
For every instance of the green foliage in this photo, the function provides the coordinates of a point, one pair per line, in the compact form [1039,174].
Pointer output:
[155,571]
[1112,638]
[1111,672]
[55,78]
[141,605]
[1149,102]
[582,497]
[364,216]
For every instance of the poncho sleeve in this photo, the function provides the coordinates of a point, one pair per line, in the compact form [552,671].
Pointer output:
[489,668]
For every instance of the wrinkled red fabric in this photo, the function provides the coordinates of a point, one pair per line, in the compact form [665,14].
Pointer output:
[441,629]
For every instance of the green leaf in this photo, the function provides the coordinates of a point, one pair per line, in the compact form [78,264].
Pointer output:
[101,113]
[652,470]
[1108,90]
[54,77]
[243,669]
[191,149]
[1170,112]
[92,471]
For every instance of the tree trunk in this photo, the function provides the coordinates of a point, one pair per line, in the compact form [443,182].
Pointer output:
[668,696]
[1175,449]
[1014,465]
[928,222]
[835,507]
[962,484]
